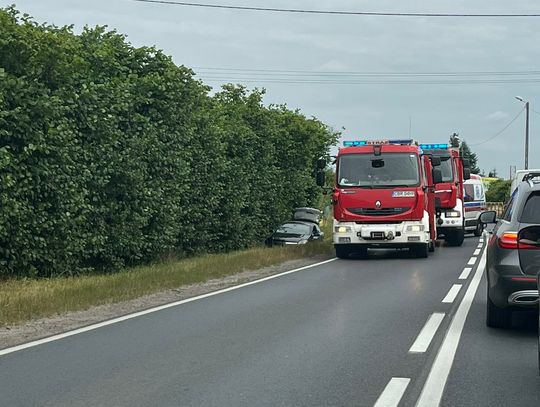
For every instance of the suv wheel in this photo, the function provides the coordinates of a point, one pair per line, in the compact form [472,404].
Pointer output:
[498,317]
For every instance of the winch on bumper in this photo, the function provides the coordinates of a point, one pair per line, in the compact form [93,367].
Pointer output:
[403,234]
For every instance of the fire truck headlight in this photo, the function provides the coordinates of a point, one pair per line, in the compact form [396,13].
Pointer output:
[343,229]
[415,228]
[302,241]
[453,214]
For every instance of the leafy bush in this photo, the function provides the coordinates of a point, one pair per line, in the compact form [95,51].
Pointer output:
[112,155]
[498,191]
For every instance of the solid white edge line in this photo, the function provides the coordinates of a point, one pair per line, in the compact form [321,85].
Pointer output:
[149,311]
[393,392]
[465,274]
[434,386]
[424,338]
[452,294]
[472,260]
[477,252]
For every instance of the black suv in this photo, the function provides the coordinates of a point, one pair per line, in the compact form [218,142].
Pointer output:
[513,254]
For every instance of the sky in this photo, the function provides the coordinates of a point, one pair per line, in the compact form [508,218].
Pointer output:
[339,45]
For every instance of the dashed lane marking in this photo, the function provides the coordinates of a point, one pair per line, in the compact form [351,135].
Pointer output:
[465,273]
[393,392]
[434,386]
[452,294]
[424,338]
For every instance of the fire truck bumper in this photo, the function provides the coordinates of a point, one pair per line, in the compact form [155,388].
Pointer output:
[402,234]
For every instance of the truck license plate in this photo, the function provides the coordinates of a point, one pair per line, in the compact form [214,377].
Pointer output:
[377,235]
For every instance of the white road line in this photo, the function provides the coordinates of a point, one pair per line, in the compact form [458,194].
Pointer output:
[393,392]
[452,294]
[434,386]
[421,344]
[481,240]
[149,311]
[472,260]
[480,246]
[477,252]
[465,274]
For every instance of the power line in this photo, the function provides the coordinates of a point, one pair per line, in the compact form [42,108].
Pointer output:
[331,12]
[501,131]
[284,72]
[210,78]
[534,111]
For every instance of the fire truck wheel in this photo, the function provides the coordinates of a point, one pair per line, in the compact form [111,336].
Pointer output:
[456,237]
[421,250]
[342,251]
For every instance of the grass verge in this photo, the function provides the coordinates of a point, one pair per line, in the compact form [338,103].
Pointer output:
[22,300]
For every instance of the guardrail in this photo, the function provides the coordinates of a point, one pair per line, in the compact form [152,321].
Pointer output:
[496,206]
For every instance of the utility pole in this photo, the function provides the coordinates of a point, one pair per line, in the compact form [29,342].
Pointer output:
[527,136]
[526,131]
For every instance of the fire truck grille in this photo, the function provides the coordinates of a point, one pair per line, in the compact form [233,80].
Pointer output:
[378,212]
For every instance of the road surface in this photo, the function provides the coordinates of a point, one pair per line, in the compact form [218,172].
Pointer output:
[380,331]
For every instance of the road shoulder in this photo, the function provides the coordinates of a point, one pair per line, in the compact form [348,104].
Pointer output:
[44,327]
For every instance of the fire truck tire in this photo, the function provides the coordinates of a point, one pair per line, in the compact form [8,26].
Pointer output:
[456,238]
[421,250]
[479,229]
[342,251]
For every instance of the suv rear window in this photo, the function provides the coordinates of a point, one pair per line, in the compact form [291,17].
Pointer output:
[531,210]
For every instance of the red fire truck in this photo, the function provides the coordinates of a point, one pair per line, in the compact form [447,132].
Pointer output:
[384,197]
[449,201]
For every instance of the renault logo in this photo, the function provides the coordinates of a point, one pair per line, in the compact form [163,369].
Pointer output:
[378,204]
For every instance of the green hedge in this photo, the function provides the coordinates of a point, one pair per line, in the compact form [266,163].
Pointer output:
[113,156]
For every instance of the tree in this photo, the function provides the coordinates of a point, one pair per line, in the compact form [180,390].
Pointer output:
[466,153]
[493,173]
[454,140]
[498,191]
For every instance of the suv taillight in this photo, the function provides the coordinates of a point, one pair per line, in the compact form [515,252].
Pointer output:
[508,240]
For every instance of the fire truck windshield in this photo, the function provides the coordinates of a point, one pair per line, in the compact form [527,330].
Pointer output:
[446,170]
[392,170]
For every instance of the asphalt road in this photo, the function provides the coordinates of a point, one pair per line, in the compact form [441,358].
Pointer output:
[338,334]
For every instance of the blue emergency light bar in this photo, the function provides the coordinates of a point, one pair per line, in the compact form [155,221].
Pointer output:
[443,146]
[357,143]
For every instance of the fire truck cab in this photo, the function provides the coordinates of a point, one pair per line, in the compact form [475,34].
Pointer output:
[449,201]
[384,197]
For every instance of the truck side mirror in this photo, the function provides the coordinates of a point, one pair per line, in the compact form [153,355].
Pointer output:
[435,160]
[321,164]
[466,162]
[437,176]
[321,179]
[466,174]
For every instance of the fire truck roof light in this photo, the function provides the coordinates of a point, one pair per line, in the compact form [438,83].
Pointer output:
[434,146]
[355,143]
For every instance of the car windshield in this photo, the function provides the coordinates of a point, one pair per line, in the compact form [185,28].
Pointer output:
[293,229]
[386,170]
